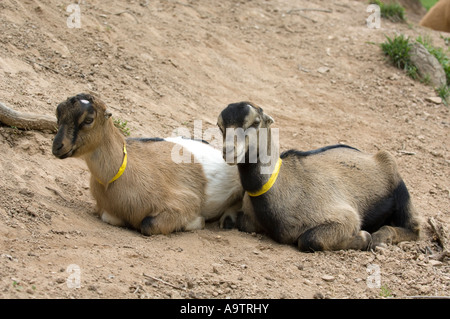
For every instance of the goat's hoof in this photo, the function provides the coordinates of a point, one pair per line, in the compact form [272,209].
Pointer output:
[366,240]
[147,225]
[227,223]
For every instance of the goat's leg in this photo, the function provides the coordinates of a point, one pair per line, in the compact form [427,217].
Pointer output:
[246,219]
[229,217]
[111,219]
[165,223]
[197,223]
[405,221]
[332,237]
[392,235]
[341,233]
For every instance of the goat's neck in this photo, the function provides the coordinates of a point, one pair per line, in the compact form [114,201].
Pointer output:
[255,175]
[105,161]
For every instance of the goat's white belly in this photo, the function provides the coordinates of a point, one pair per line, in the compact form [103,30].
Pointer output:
[223,183]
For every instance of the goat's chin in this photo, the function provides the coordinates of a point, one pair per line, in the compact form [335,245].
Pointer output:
[65,155]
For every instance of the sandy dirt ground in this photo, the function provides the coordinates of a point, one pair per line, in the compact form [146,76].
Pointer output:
[161,65]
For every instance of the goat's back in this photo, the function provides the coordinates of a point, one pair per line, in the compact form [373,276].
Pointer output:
[310,188]
[342,172]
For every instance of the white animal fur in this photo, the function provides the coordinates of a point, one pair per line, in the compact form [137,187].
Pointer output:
[218,174]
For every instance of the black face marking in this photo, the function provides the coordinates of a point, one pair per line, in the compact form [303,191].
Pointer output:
[234,114]
[72,115]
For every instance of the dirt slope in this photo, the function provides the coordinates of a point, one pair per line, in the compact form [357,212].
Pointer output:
[160,65]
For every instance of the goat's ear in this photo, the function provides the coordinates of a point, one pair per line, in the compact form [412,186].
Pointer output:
[268,119]
[107,114]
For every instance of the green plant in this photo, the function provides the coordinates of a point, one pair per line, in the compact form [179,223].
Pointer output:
[446,40]
[397,49]
[392,11]
[122,126]
[16,285]
[385,292]
[444,92]
[427,4]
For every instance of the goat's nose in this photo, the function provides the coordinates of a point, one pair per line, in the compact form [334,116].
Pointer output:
[58,148]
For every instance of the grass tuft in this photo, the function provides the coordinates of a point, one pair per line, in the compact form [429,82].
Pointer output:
[122,126]
[391,11]
[398,51]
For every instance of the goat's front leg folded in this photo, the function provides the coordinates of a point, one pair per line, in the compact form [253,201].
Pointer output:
[167,222]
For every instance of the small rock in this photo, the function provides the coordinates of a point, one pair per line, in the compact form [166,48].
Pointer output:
[318,295]
[323,69]
[434,262]
[381,250]
[424,290]
[328,278]
[394,77]
[434,99]
[60,280]
[7,256]
[427,65]
[92,288]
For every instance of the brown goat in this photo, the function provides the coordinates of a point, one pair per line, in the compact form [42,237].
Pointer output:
[135,181]
[326,199]
[438,17]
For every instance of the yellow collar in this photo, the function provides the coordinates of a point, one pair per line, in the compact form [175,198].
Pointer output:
[121,169]
[269,183]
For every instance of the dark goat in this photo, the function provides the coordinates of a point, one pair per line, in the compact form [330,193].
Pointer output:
[327,199]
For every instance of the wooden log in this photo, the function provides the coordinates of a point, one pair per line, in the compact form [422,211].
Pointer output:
[26,121]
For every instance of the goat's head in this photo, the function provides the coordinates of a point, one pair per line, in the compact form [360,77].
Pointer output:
[80,119]
[243,120]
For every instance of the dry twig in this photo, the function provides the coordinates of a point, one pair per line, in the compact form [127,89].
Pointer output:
[310,9]
[164,282]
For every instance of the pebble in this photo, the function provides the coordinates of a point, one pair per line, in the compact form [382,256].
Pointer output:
[328,278]
[323,69]
[433,262]
[434,99]
[318,295]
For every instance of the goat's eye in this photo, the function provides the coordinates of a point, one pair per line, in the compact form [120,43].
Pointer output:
[88,121]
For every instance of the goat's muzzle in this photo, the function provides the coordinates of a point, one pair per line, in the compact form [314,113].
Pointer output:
[62,148]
